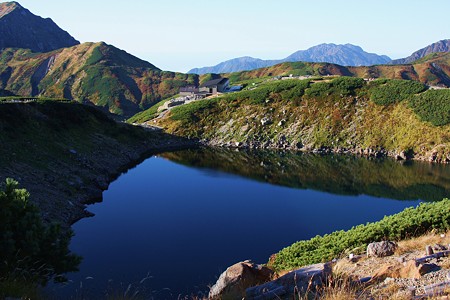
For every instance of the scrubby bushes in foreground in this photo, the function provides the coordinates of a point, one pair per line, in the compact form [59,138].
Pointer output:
[411,222]
[30,250]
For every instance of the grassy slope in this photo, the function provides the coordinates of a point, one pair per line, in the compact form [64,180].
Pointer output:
[98,73]
[325,116]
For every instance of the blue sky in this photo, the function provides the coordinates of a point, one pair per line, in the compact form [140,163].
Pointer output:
[179,35]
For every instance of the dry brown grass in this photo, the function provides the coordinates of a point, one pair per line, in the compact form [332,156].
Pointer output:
[419,244]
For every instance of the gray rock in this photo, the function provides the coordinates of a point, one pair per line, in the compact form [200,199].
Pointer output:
[299,281]
[233,282]
[266,121]
[381,249]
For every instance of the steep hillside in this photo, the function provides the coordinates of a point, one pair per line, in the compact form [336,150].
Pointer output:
[346,55]
[432,70]
[94,73]
[382,117]
[441,46]
[19,28]
[65,154]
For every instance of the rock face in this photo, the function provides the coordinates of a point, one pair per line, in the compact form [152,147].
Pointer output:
[298,281]
[441,46]
[19,28]
[381,249]
[233,282]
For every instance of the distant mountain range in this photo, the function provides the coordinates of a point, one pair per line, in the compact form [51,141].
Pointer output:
[441,46]
[19,28]
[345,55]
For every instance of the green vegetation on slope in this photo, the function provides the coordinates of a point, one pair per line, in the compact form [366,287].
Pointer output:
[98,73]
[411,222]
[334,114]
[385,92]
[433,106]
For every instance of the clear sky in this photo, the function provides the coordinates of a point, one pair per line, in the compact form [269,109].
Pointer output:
[179,35]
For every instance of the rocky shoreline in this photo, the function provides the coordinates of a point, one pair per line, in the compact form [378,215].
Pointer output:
[358,151]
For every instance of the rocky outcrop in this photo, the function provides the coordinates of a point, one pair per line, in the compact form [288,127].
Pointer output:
[381,249]
[233,282]
[19,28]
[306,279]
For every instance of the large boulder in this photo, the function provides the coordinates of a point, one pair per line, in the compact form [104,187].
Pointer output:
[296,282]
[233,282]
[381,249]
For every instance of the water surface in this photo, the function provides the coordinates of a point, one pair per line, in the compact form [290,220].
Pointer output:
[171,225]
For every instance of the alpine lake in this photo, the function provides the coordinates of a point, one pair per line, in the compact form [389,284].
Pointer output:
[167,228]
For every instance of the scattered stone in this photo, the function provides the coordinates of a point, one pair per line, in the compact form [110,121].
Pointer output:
[73,151]
[281,123]
[233,282]
[266,121]
[299,281]
[429,250]
[381,249]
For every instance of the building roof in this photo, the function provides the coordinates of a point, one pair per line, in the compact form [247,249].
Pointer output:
[214,82]
[189,88]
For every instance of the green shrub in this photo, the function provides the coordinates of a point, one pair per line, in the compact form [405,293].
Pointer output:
[394,91]
[31,251]
[410,222]
[347,85]
[432,106]
[319,89]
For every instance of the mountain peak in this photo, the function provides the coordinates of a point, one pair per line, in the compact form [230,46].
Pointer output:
[22,29]
[8,7]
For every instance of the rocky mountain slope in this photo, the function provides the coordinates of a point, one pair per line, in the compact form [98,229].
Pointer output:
[346,55]
[94,73]
[19,28]
[441,46]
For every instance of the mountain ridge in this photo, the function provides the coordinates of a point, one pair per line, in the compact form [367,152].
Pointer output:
[346,55]
[440,46]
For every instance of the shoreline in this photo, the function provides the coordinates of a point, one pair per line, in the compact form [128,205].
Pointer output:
[357,151]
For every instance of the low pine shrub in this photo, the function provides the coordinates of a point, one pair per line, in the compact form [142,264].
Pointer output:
[432,106]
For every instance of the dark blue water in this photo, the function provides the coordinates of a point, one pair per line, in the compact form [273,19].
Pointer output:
[166,229]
